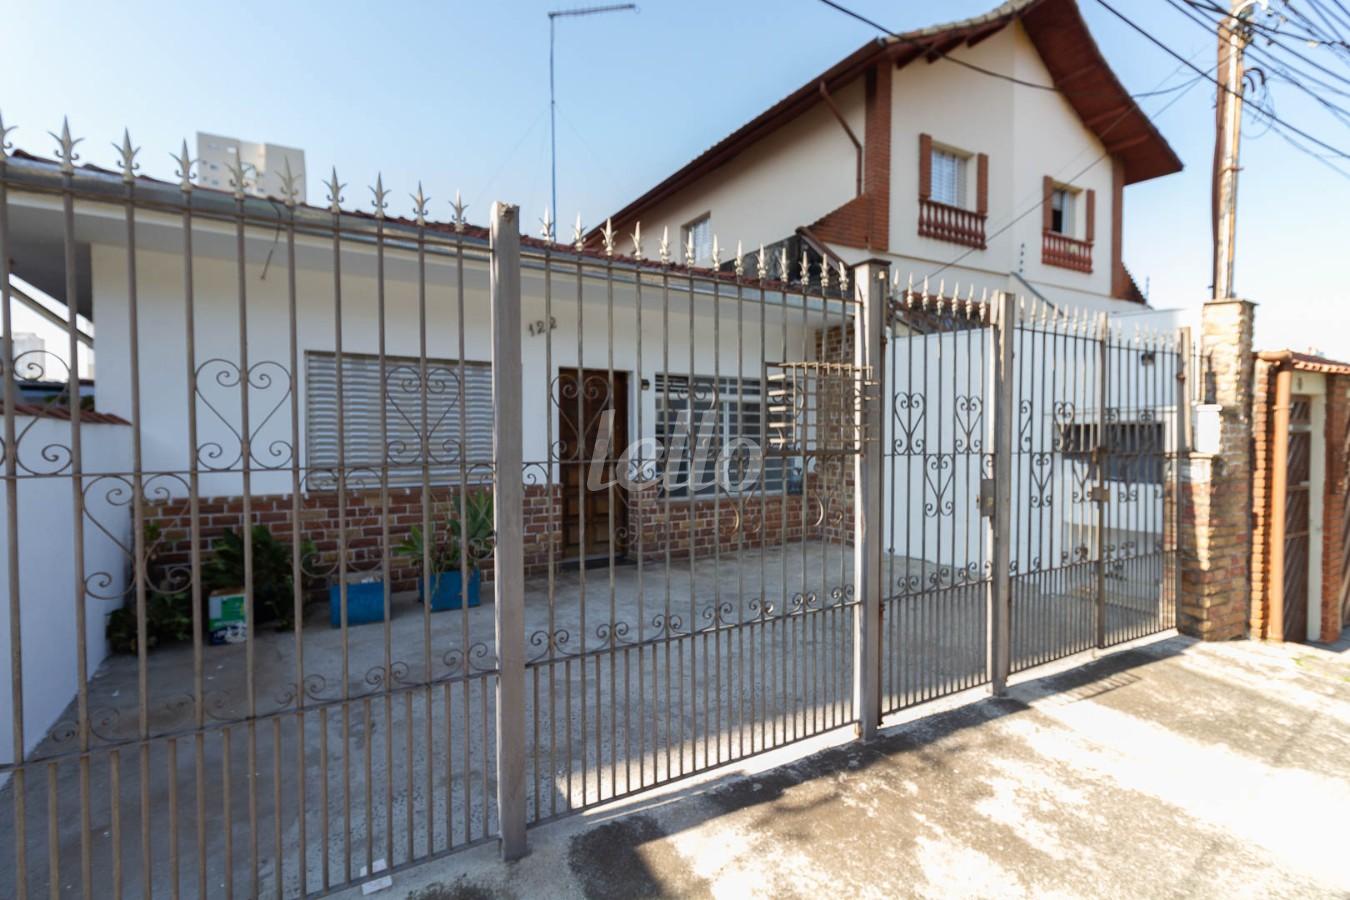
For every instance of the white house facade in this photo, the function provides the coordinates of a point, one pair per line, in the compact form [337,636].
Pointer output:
[991,152]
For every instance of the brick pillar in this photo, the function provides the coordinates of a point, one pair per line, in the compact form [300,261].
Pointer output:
[1336,508]
[1216,487]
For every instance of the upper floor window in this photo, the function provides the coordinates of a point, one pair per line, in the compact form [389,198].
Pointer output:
[949,178]
[1068,226]
[699,231]
[1062,203]
[945,208]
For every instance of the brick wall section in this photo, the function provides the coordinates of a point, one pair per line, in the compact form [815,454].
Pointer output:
[319,523]
[834,474]
[1216,534]
[864,221]
[1336,509]
[1263,422]
[721,526]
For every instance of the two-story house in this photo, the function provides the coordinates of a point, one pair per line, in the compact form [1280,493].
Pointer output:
[992,152]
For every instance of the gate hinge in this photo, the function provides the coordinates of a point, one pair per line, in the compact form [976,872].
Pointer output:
[987,500]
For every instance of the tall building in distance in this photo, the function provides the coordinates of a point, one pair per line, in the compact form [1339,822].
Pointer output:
[263,165]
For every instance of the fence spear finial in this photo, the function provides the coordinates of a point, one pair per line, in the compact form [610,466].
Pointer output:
[459,206]
[546,225]
[184,171]
[127,161]
[762,264]
[607,237]
[689,248]
[716,254]
[637,240]
[378,198]
[578,235]
[239,177]
[335,192]
[740,261]
[420,201]
[65,150]
[5,145]
[664,250]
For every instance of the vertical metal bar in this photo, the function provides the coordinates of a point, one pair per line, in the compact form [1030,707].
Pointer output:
[138,514]
[77,497]
[1103,440]
[12,548]
[508,519]
[1185,438]
[871,283]
[194,523]
[1000,581]
[297,538]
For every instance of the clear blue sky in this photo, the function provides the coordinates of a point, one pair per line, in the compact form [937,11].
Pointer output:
[456,94]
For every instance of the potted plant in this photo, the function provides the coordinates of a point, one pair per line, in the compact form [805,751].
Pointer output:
[449,587]
[273,581]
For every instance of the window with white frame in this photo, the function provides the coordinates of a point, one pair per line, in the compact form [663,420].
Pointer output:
[704,418]
[1062,207]
[408,402]
[949,177]
[700,231]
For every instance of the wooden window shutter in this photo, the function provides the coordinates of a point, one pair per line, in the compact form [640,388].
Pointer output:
[1047,202]
[982,183]
[925,166]
[1090,220]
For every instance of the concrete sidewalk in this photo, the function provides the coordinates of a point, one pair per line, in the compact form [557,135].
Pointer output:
[1175,769]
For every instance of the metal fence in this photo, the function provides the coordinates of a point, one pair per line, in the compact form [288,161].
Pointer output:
[514,527]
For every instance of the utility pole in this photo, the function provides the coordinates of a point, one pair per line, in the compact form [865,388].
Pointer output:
[1234,35]
[553,17]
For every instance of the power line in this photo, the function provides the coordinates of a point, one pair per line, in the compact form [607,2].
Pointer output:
[915,42]
[1264,111]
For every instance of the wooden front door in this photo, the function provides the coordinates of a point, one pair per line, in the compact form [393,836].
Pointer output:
[1298,519]
[595,521]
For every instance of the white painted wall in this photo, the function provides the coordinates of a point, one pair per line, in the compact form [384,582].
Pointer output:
[581,334]
[805,170]
[795,176]
[1027,134]
[47,589]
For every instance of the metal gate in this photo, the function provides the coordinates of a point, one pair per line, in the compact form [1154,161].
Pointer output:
[717,623]
[1062,529]
[380,537]
[287,419]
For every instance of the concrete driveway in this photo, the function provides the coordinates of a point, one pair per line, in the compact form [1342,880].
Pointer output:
[1174,769]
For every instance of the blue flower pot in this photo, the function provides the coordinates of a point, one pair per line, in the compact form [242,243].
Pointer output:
[447,590]
[365,603]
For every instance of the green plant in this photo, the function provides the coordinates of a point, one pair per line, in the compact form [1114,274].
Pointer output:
[168,614]
[475,532]
[168,620]
[273,584]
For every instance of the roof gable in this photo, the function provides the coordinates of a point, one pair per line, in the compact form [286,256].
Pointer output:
[1061,39]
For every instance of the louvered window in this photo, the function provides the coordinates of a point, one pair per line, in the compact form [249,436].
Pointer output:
[457,419]
[949,178]
[718,417]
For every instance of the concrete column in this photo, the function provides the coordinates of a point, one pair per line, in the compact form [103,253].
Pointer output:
[1215,542]
[871,280]
[508,575]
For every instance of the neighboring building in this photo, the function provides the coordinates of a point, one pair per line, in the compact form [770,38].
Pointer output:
[264,165]
[903,151]
[1301,540]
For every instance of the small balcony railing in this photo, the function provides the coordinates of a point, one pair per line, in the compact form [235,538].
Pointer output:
[951,223]
[1066,252]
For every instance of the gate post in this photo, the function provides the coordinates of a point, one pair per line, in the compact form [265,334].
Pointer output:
[1101,492]
[999,651]
[872,282]
[508,525]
